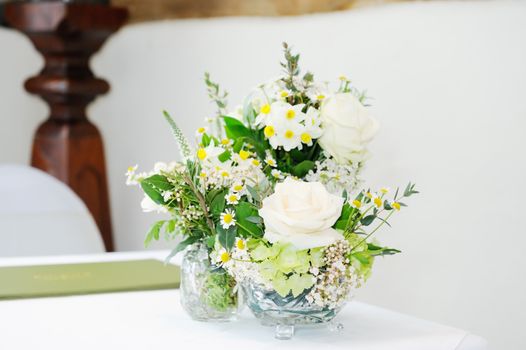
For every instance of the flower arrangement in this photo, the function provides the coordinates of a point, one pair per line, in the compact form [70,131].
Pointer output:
[272,191]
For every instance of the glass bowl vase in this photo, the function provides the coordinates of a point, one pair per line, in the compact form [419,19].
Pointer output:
[285,313]
[208,292]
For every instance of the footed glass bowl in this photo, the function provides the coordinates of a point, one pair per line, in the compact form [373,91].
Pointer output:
[284,313]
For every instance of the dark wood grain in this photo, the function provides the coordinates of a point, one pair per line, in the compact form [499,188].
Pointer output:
[67,145]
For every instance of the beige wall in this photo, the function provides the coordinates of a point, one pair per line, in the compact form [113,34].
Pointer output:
[448,82]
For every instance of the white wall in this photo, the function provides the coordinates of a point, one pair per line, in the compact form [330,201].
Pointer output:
[448,81]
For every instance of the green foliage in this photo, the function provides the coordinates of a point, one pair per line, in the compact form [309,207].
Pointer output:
[245,213]
[217,202]
[302,169]
[235,129]
[215,94]
[154,186]
[286,267]
[182,245]
[184,146]
[218,290]
[153,234]
[226,237]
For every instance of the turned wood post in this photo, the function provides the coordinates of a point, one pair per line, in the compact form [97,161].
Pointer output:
[68,145]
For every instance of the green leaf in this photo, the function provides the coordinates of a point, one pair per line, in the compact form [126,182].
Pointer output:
[153,233]
[210,242]
[159,181]
[253,193]
[255,219]
[181,246]
[387,206]
[152,192]
[362,257]
[375,250]
[301,169]
[366,221]
[247,228]
[234,128]
[170,227]
[205,140]
[217,206]
[226,238]
[223,157]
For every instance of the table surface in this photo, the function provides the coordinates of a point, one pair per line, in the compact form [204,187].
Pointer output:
[155,319]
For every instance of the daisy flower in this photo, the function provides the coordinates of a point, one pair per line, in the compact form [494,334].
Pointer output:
[232,198]
[228,218]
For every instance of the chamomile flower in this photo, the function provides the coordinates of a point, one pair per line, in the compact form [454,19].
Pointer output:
[318,92]
[221,256]
[277,174]
[384,190]
[201,131]
[270,160]
[240,243]
[377,201]
[238,187]
[226,142]
[283,94]
[228,218]
[130,175]
[396,205]
[357,203]
[232,198]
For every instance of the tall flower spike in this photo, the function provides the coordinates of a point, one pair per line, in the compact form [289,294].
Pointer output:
[184,147]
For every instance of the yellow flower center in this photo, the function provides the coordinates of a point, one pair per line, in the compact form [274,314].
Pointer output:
[265,109]
[227,218]
[306,138]
[284,93]
[202,174]
[225,141]
[357,203]
[130,169]
[225,257]
[270,162]
[369,194]
[290,114]
[224,173]
[396,205]
[255,162]
[240,244]
[343,78]
[201,130]
[384,190]
[232,198]
[320,97]
[378,202]
[269,131]
[238,188]
[201,153]
[244,154]
[289,134]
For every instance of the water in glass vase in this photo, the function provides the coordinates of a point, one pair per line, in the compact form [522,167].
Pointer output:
[208,293]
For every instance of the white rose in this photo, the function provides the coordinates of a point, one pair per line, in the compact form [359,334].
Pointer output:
[148,205]
[301,213]
[347,128]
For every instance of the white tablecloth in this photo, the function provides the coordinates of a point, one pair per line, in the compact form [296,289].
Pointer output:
[155,320]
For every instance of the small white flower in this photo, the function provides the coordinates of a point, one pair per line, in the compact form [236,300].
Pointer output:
[277,174]
[232,198]
[148,205]
[270,160]
[228,218]
[200,131]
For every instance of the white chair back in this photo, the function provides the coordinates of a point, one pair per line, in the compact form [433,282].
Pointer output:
[40,215]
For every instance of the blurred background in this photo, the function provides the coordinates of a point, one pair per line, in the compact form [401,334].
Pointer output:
[447,79]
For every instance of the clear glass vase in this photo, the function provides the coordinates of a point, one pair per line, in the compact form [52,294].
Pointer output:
[284,313]
[208,293]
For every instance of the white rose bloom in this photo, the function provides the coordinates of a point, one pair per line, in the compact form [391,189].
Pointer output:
[347,128]
[301,213]
[148,205]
